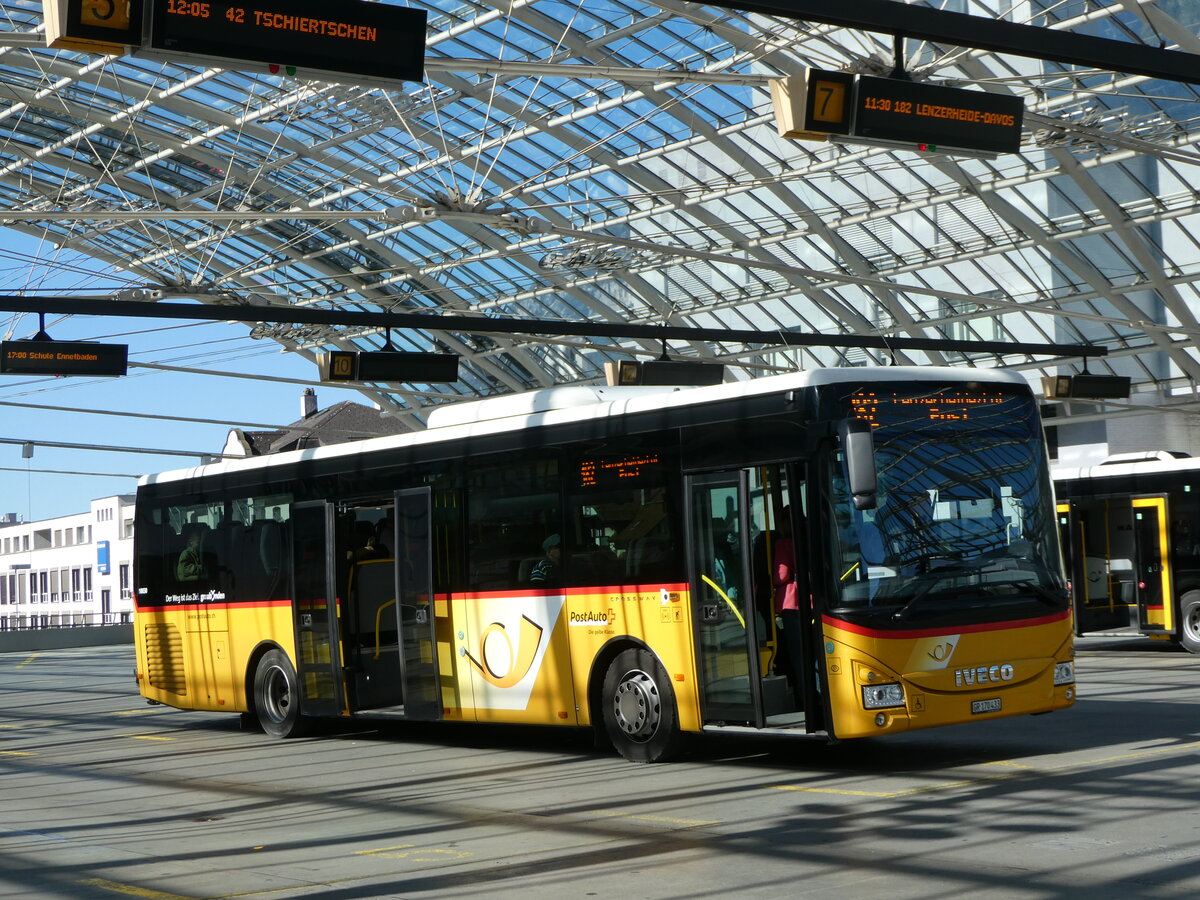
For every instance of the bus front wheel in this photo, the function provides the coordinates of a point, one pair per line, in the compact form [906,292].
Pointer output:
[639,708]
[277,696]
[1189,621]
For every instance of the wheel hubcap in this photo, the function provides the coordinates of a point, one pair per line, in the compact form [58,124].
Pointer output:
[278,694]
[636,705]
[1191,623]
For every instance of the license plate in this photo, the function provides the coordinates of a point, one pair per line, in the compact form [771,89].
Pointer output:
[985,706]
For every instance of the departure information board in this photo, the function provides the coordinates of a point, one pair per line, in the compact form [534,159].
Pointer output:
[301,37]
[62,358]
[820,104]
[891,109]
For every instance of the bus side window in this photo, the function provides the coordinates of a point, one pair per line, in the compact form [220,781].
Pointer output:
[513,508]
[153,532]
[622,526]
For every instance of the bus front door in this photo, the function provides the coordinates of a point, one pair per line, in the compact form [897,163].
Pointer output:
[318,665]
[1152,565]
[415,608]
[723,610]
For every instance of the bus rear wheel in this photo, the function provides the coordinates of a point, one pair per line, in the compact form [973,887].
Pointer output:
[277,697]
[1189,621]
[639,708]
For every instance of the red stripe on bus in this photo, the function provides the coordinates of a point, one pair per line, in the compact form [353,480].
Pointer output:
[909,634]
[569,592]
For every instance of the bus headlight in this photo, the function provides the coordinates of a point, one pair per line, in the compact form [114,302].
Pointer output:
[1064,673]
[881,696]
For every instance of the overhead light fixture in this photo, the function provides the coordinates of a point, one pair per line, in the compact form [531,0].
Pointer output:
[388,366]
[1086,387]
[663,373]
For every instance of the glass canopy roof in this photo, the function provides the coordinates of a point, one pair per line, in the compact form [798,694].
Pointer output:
[618,162]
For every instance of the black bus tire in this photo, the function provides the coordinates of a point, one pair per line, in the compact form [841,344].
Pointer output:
[1189,621]
[277,697]
[639,708]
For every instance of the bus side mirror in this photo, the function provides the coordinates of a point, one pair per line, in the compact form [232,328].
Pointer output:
[858,446]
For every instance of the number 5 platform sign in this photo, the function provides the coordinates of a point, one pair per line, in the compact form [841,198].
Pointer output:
[95,26]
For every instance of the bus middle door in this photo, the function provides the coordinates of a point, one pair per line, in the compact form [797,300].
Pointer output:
[414,612]
[318,661]
[1152,579]
[723,610]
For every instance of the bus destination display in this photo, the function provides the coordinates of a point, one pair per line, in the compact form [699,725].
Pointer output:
[890,109]
[884,407]
[619,470]
[352,38]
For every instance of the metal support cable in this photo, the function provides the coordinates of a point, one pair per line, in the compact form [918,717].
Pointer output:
[107,448]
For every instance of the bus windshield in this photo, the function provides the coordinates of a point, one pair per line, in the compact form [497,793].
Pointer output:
[963,528]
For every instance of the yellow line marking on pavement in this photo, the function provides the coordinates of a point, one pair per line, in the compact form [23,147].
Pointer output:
[891,795]
[28,661]
[690,823]
[15,753]
[1009,764]
[1022,769]
[132,890]
[132,712]
[147,737]
[416,854]
[1141,754]
[10,726]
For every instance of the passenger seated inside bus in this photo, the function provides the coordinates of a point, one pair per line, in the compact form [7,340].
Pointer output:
[190,566]
[547,572]
[384,535]
[362,540]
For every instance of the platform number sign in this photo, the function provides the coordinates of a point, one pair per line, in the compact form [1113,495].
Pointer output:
[830,101]
[828,107]
[96,26]
[104,13]
[340,365]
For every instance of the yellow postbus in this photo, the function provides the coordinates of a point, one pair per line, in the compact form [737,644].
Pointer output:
[838,553]
[1130,529]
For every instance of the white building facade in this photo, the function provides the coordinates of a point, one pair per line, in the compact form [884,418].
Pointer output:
[70,570]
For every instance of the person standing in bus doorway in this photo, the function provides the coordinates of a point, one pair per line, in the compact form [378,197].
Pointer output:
[545,572]
[787,603]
